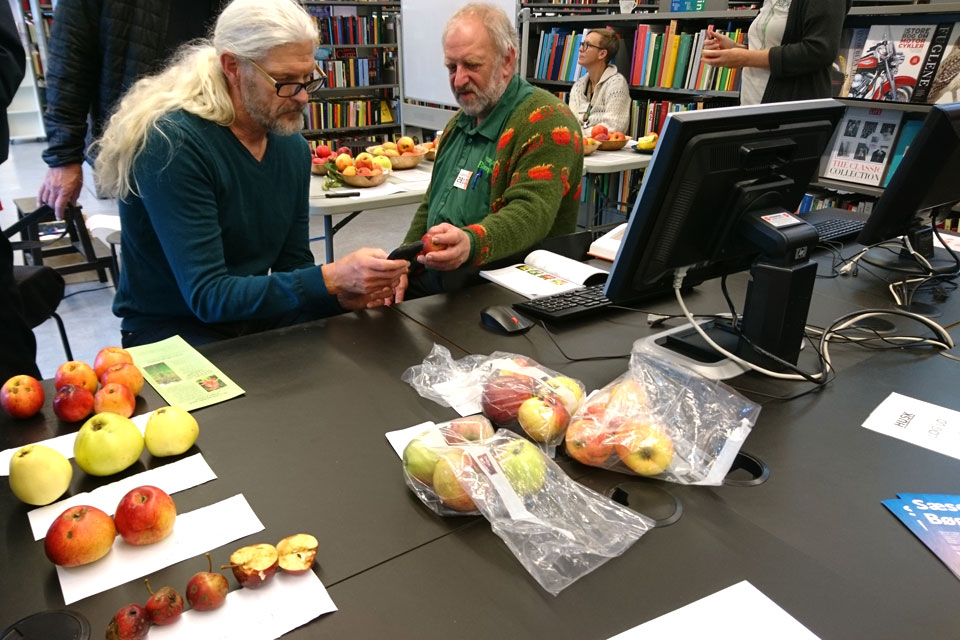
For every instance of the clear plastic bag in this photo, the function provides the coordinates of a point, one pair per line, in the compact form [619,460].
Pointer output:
[512,390]
[662,420]
[557,529]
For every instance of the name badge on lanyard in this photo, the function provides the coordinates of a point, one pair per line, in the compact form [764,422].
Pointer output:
[463,179]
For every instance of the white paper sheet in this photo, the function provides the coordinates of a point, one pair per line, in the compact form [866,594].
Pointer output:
[276,608]
[464,398]
[411,175]
[194,533]
[63,444]
[921,423]
[737,612]
[401,438]
[173,477]
[385,189]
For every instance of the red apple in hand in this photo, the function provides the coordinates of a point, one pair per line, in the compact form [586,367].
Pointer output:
[21,396]
[77,373]
[125,373]
[297,552]
[130,623]
[164,606]
[429,245]
[145,515]
[254,565]
[72,403]
[80,535]
[115,398]
[207,590]
[109,356]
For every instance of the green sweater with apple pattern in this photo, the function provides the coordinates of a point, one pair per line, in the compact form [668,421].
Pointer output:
[534,184]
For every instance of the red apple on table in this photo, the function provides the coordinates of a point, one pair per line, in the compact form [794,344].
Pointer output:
[207,590]
[345,150]
[253,566]
[617,135]
[502,396]
[73,403]
[543,418]
[589,442]
[125,373]
[429,245]
[318,160]
[115,398]
[80,535]
[77,373]
[323,151]
[598,129]
[130,623]
[21,396]
[164,605]
[601,137]
[145,515]
[297,553]
[109,356]
[644,448]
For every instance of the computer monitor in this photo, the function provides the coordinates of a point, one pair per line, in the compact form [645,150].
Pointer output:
[924,187]
[718,198]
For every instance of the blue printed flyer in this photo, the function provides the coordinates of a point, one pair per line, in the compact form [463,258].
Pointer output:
[935,519]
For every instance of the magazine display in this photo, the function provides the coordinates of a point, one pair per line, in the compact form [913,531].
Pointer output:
[863,145]
[890,64]
[946,82]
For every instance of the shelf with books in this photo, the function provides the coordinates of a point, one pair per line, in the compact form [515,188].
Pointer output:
[358,130]
[340,92]
[25,113]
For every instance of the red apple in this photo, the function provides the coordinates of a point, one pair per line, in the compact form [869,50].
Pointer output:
[145,515]
[318,160]
[125,373]
[254,565]
[502,396]
[80,535]
[130,623]
[164,606]
[597,130]
[115,398]
[601,137]
[468,428]
[109,356]
[73,403]
[207,590]
[21,396]
[345,150]
[544,418]
[429,245]
[616,135]
[323,151]
[77,373]
[589,442]
[297,552]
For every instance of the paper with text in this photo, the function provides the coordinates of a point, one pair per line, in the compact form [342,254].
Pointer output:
[921,423]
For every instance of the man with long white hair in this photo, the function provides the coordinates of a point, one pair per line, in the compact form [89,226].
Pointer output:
[508,167]
[213,181]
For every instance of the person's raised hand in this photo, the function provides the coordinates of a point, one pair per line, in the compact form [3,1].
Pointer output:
[61,188]
[457,249]
[364,272]
[716,40]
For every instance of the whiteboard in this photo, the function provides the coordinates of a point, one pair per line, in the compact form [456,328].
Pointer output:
[421,24]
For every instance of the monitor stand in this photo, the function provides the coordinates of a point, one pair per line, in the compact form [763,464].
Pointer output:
[685,347]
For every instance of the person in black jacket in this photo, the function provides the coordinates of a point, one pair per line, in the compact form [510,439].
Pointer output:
[98,49]
[791,47]
[18,347]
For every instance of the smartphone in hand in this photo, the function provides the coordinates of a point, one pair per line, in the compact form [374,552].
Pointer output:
[406,252]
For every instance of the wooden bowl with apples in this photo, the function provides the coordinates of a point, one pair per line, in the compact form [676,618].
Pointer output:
[608,140]
[589,146]
[403,154]
[322,155]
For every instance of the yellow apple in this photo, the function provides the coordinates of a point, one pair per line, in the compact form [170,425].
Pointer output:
[644,448]
[421,455]
[453,467]
[106,444]
[170,431]
[568,390]
[39,475]
[383,162]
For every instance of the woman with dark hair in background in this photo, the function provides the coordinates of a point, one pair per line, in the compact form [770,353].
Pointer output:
[601,95]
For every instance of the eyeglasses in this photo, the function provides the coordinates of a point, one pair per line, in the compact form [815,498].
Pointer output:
[290,89]
[586,45]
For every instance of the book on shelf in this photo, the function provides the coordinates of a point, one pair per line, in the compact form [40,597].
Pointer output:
[899,48]
[851,49]
[544,273]
[606,246]
[946,82]
[907,133]
[862,145]
[688,5]
[931,61]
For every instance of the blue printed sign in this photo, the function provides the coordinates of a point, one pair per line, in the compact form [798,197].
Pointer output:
[935,519]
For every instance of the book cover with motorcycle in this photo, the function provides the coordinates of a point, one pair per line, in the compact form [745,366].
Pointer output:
[862,145]
[890,63]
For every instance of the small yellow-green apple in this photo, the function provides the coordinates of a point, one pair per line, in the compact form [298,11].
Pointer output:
[145,515]
[72,403]
[253,566]
[21,396]
[164,606]
[589,442]
[383,162]
[170,431]
[207,590]
[80,535]
[77,373]
[645,449]
[106,444]
[39,475]
[115,398]
[475,428]
[130,623]
[452,467]
[568,390]
[523,465]
[109,356]
[421,454]
[297,552]
[125,373]
[543,418]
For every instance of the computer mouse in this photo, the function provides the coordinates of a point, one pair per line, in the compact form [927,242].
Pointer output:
[505,320]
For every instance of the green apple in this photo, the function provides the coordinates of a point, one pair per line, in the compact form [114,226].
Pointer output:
[170,431]
[106,444]
[39,475]
[421,454]
[524,466]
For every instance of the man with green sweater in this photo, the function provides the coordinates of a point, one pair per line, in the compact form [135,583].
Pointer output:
[508,167]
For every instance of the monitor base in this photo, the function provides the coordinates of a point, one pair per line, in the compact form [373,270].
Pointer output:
[683,346]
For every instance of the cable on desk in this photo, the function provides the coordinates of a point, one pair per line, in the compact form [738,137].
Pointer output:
[564,353]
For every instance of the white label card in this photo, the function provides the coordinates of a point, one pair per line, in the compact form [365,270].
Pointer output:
[782,219]
[921,423]
[463,179]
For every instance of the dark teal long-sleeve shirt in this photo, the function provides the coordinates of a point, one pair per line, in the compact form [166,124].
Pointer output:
[214,234]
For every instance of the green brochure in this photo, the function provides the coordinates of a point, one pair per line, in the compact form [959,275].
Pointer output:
[181,375]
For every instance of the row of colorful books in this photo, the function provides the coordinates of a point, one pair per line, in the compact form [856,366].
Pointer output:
[663,56]
[557,56]
[352,72]
[348,113]
[648,116]
[816,200]
[341,30]
[917,63]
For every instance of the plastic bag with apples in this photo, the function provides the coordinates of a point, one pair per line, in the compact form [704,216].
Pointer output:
[557,529]
[510,389]
[664,421]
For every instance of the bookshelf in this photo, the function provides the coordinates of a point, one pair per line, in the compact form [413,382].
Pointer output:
[358,49]
[25,113]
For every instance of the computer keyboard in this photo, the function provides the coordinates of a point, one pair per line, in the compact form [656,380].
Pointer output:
[566,306]
[838,229]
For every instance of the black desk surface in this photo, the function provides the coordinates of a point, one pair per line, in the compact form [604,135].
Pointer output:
[305,445]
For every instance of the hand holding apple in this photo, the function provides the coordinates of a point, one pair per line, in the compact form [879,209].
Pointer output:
[145,515]
[21,396]
[164,606]
[207,590]
[80,535]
